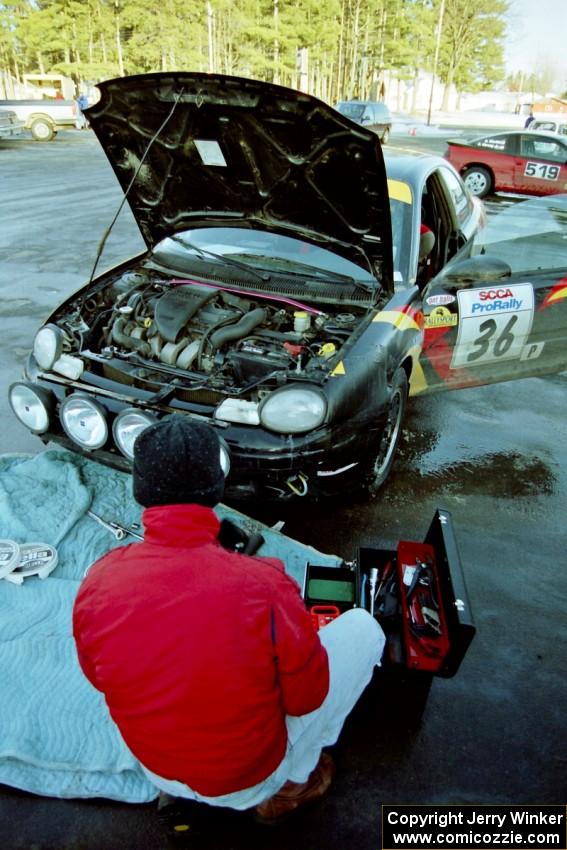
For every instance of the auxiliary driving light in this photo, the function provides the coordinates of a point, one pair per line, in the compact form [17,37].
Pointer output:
[32,406]
[84,421]
[48,346]
[224,457]
[127,426]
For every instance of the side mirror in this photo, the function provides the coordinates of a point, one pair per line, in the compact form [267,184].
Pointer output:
[475,270]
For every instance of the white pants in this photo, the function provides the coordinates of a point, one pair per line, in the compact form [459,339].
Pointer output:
[354,643]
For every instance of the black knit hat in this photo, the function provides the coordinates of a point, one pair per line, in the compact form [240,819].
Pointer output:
[177,461]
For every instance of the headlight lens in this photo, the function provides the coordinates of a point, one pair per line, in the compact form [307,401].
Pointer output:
[84,421]
[32,406]
[47,346]
[293,410]
[127,426]
[224,457]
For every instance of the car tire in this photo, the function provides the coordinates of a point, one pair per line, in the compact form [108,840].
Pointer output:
[42,130]
[380,463]
[478,180]
[385,136]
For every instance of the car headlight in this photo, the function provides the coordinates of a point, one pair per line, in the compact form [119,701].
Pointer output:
[32,405]
[127,426]
[293,410]
[47,346]
[84,421]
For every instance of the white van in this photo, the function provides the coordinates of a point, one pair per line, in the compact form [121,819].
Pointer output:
[550,125]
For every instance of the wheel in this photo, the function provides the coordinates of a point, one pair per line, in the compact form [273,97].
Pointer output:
[42,130]
[385,136]
[478,180]
[381,462]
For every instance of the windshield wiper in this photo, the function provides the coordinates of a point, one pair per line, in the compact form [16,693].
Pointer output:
[227,261]
[313,271]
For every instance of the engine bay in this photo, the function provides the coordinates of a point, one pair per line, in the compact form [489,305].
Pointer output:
[208,335]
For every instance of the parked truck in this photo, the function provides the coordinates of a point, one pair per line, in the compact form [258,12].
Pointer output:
[10,126]
[43,117]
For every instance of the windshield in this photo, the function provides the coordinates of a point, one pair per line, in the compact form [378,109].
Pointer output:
[259,249]
[530,236]
[401,208]
[354,111]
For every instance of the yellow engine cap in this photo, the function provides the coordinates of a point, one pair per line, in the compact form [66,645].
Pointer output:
[327,350]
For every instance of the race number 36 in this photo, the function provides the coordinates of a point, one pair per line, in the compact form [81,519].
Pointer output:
[541,170]
[494,324]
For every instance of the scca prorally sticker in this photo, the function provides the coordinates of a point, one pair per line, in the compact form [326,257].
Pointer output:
[441,317]
[443,298]
[494,324]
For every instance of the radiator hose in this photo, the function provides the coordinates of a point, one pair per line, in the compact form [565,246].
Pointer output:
[238,330]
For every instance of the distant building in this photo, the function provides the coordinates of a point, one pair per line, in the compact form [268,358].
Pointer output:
[550,104]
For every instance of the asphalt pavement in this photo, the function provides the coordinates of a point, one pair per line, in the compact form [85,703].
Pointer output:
[495,457]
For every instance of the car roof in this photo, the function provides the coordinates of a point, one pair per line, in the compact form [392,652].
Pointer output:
[356,100]
[379,103]
[552,137]
[413,168]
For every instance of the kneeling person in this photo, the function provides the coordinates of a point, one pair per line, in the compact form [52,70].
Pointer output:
[207,659]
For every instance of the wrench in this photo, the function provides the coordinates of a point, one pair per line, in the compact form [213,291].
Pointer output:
[117,530]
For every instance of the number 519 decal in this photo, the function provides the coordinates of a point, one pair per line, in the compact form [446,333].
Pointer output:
[541,170]
[494,324]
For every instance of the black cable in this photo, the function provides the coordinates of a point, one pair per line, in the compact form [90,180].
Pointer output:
[108,230]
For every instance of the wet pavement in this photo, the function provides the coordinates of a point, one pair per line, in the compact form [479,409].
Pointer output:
[495,457]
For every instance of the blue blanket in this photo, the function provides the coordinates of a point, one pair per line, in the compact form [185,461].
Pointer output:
[56,736]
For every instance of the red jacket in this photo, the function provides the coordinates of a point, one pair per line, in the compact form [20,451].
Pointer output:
[199,652]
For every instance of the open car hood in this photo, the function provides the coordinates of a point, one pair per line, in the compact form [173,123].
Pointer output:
[206,150]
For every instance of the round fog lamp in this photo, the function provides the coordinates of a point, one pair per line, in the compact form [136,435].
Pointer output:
[127,426]
[84,421]
[32,406]
[47,346]
[224,457]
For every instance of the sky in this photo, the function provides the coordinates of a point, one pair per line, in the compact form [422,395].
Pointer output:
[537,37]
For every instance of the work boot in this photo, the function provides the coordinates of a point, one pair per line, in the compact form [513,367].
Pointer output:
[178,815]
[294,795]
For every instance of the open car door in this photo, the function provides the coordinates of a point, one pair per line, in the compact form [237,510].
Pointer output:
[498,311]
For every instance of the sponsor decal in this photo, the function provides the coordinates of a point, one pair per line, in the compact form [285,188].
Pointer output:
[495,301]
[495,323]
[399,191]
[444,298]
[492,294]
[499,306]
[441,317]
[532,350]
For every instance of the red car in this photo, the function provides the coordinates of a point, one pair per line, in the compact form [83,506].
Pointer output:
[517,161]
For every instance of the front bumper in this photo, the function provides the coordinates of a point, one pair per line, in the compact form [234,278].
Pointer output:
[265,465]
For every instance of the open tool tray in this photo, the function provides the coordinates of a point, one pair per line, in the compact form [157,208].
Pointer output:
[422,602]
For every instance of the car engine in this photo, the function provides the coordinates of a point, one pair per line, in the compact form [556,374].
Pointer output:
[206,332]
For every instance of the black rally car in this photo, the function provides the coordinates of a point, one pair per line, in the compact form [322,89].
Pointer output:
[265,303]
